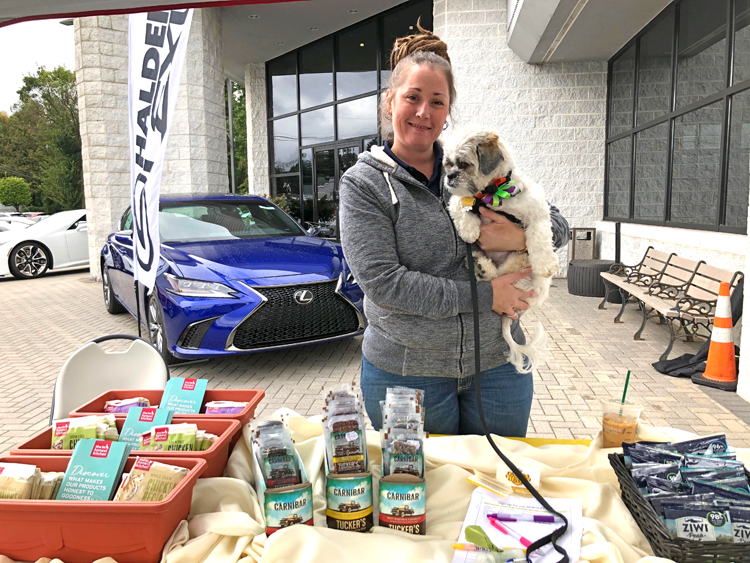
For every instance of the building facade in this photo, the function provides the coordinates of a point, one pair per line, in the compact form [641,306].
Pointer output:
[631,114]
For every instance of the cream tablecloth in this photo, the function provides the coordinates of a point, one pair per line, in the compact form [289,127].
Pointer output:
[226,522]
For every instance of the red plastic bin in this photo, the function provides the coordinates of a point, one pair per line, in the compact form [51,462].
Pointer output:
[82,532]
[215,457]
[250,396]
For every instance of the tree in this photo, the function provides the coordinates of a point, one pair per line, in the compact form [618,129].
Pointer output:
[40,140]
[239,122]
[15,192]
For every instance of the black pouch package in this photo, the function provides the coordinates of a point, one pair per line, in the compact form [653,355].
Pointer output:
[704,522]
[690,460]
[740,524]
[647,454]
[627,446]
[688,474]
[739,483]
[676,500]
[716,444]
[720,491]
[663,471]
[667,485]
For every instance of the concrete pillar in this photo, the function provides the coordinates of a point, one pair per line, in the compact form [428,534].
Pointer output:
[743,377]
[257,128]
[196,156]
[551,115]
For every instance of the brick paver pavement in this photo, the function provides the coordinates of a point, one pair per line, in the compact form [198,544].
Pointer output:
[46,320]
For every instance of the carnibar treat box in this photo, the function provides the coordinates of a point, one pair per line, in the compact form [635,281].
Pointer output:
[403,503]
[349,501]
[284,506]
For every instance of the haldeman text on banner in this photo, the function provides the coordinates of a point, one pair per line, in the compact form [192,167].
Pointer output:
[157,43]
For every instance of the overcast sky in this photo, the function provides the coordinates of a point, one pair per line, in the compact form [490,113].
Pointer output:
[25,46]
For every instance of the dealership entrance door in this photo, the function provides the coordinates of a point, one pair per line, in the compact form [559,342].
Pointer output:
[323,166]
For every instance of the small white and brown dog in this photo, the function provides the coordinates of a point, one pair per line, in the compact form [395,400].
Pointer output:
[479,171]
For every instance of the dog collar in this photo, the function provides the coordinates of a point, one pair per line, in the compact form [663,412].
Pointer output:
[492,195]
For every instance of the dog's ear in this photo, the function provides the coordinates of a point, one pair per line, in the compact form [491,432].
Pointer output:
[489,153]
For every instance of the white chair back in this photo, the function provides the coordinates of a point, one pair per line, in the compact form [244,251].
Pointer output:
[91,371]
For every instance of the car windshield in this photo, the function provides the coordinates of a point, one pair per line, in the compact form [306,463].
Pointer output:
[188,221]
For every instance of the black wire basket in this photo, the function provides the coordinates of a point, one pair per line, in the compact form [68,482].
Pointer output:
[679,550]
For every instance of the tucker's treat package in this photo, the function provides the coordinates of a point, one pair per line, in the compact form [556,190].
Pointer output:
[402,499]
[280,478]
[124,405]
[149,481]
[349,496]
[66,433]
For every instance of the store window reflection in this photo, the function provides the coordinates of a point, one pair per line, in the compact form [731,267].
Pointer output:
[316,74]
[358,118]
[283,75]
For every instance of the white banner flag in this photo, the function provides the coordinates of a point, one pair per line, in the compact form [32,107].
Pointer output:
[158,42]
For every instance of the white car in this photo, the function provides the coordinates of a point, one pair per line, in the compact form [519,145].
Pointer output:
[58,241]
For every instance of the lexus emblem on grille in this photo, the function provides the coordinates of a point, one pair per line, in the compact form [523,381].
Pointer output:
[303,297]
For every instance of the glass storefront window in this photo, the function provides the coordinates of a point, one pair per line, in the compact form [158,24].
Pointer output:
[358,118]
[618,178]
[316,74]
[401,24]
[655,71]
[285,145]
[738,176]
[289,186]
[701,52]
[317,126]
[696,169]
[283,74]
[357,71]
[651,172]
[621,102]
[741,41]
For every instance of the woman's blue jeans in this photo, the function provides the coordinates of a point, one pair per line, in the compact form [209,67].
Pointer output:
[451,404]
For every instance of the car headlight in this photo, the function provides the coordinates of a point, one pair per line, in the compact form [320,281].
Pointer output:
[198,288]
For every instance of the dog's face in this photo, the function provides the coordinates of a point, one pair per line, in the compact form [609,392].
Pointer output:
[472,163]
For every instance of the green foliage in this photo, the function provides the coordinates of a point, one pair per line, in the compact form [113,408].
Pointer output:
[40,140]
[14,191]
[239,121]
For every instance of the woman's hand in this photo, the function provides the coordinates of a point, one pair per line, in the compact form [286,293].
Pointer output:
[506,298]
[501,235]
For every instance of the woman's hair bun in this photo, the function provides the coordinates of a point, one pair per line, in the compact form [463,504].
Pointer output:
[425,40]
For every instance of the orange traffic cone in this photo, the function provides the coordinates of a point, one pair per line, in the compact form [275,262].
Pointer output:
[721,366]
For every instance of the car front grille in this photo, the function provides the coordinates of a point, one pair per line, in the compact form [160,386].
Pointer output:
[281,320]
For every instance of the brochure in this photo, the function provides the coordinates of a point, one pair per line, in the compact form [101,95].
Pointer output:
[142,419]
[94,470]
[184,396]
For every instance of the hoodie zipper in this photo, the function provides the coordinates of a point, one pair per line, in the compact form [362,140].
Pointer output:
[415,182]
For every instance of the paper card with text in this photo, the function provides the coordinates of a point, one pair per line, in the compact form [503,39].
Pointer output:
[184,396]
[143,419]
[94,470]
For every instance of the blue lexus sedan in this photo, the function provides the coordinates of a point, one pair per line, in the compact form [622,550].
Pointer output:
[237,274]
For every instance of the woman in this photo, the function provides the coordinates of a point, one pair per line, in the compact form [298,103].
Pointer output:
[401,246]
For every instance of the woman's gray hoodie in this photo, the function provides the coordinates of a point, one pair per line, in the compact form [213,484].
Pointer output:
[403,250]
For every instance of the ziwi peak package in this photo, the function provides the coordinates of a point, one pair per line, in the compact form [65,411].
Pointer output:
[699,523]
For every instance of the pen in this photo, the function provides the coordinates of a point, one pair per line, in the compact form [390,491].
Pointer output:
[537,518]
[508,532]
[472,547]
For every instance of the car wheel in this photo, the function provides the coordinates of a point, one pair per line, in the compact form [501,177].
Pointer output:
[156,329]
[29,260]
[113,306]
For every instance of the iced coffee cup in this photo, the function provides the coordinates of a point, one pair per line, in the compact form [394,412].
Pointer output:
[619,422]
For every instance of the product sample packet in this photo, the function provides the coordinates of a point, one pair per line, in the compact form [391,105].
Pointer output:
[124,405]
[699,524]
[174,438]
[142,420]
[687,474]
[94,470]
[68,431]
[17,480]
[184,396]
[666,485]
[627,446]
[661,470]
[648,454]
[149,481]
[690,460]
[275,455]
[721,491]
[225,407]
[48,484]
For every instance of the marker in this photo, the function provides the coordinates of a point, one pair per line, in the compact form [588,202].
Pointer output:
[508,532]
[472,547]
[537,518]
